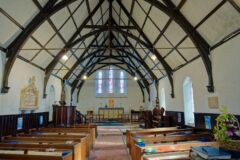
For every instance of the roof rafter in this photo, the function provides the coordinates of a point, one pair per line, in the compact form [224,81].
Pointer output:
[143,63]
[201,44]
[153,50]
[118,66]
[66,47]
[83,54]
[13,49]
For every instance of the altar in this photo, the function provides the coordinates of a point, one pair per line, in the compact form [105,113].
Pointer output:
[111,113]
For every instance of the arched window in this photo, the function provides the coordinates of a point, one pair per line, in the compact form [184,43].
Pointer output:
[188,102]
[99,85]
[162,99]
[110,81]
[122,83]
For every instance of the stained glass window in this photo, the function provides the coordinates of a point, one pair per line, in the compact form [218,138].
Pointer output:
[110,81]
[121,87]
[122,83]
[99,81]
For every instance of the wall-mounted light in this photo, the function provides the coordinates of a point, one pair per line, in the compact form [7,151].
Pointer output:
[84,77]
[135,78]
[65,57]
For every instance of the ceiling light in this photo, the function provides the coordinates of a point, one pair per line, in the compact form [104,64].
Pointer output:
[153,57]
[135,78]
[84,77]
[65,57]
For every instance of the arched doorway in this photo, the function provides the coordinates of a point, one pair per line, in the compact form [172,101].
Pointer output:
[188,102]
[51,101]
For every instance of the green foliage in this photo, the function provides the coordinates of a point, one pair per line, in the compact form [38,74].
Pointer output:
[225,122]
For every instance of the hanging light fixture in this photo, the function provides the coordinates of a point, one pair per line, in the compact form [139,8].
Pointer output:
[65,57]
[153,57]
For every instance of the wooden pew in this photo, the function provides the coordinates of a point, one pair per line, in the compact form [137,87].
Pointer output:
[154,132]
[171,151]
[91,131]
[129,133]
[75,147]
[52,140]
[86,126]
[28,154]
[83,138]
[168,139]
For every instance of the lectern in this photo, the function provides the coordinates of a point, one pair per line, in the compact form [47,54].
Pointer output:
[64,115]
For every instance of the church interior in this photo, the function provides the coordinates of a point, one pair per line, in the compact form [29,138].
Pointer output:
[119,79]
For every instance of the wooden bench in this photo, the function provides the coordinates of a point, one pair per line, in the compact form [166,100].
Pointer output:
[84,138]
[52,140]
[129,133]
[74,147]
[91,131]
[167,139]
[171,151]
[29,154]
[86,126]
[153,132]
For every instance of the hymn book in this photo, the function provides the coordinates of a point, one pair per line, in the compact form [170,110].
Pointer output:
[208,152]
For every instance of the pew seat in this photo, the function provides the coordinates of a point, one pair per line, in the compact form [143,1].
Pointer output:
[34,155]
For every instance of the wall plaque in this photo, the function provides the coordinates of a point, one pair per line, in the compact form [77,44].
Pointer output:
[29,96]
[213,102]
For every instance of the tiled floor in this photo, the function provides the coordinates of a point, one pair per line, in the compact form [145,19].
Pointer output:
[110,144]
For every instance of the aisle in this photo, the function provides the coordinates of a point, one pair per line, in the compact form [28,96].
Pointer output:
[110,144]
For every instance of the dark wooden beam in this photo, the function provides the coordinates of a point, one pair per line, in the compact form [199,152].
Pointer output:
[100,60]
[141,61]
[105,26]
[128,71]
[167,68]
[3,49]
[75,82]
[235,5]
[120,63]
[226,39]
[201,44]
[13,49]
[82,55]
[54,62]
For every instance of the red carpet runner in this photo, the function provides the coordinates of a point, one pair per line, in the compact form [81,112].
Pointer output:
[110,145]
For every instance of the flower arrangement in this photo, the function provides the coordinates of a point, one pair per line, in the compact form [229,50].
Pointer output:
[227,130]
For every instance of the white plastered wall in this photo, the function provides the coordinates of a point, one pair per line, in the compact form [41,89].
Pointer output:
[87,98]
[18,79]
[226,75]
